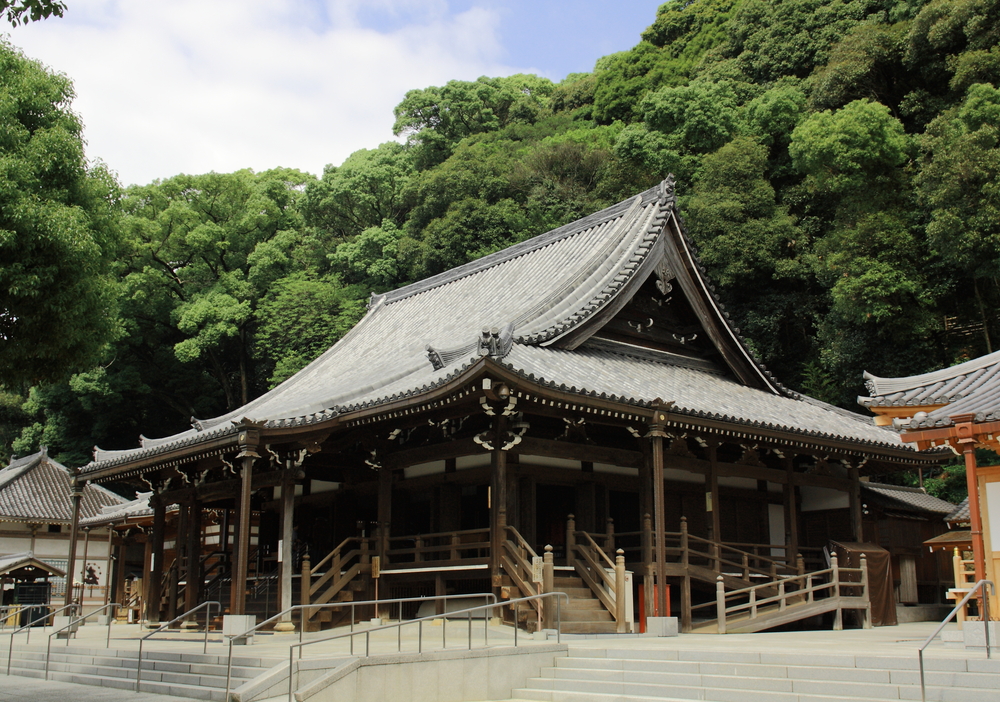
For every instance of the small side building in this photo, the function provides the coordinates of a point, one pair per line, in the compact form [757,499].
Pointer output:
[35,518]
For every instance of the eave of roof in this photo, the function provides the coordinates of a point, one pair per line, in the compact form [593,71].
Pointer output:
[556,286]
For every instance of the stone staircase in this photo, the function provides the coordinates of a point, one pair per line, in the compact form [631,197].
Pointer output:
[584,614]
[640,675]
[190,675]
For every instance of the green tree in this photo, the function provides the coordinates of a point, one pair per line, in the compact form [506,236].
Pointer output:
[59,235]
[364,191]
[958,176]
[24,11]
[205,250]
[435,119]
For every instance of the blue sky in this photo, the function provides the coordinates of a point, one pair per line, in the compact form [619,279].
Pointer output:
[191,86]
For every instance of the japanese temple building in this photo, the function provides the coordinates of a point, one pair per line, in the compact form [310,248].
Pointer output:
[583,390]
[957,407]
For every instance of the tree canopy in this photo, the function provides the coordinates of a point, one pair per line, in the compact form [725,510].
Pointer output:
[837,165]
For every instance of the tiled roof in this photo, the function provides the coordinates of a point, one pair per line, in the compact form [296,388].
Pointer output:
[27,559]
[36,488]
[139,507]
[972,387]
[544,299]
[960,513]
[906,499]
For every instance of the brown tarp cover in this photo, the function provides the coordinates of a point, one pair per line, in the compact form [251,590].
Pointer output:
[880,590]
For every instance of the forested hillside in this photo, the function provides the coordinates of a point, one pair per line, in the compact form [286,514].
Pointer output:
[837,160]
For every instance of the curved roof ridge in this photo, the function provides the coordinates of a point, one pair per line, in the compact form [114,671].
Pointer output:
[572,228]
[880,387]
[601,279]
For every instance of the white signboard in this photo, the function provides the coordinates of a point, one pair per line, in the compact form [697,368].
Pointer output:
[536,569]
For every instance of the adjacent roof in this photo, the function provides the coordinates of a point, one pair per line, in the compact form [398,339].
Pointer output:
[960,514]
[961,540]
[972,387]
[535,308]
[21,565]
[904,499]
[111,514]
[37,489]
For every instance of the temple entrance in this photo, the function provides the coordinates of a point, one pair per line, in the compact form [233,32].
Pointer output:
[553,503]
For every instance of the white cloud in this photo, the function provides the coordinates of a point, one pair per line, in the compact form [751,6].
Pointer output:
[197,85]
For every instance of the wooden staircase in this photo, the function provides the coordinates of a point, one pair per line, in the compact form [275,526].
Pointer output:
[788,600]
[585,613]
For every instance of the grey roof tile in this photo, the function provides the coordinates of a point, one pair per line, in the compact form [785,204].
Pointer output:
[903,498]
[972,387]
[544,287]
[36,488]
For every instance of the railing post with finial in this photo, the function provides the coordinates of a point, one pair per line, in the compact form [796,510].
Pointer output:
[720,605]
[620,590]
[571,541]
[547,585]
[867,624]
[800,565]
[685,554]
[305,586]
[835,574]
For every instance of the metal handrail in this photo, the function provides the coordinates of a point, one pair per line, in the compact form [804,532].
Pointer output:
[208,625]
[10,647]
[74,622]
[400,600]
[420,628]
[986,626]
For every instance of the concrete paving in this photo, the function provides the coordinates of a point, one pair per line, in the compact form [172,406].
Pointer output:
[14,688]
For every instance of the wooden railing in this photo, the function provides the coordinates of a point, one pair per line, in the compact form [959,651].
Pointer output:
[450,548]
[335,572]
[517,561]
[964,571]
[605,577]
[748,604]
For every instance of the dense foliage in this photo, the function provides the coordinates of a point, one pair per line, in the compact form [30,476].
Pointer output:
[837,163]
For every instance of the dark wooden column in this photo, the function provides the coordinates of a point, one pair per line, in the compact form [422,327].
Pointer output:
[656,436]
[791,514]
[76,495]
[712,492]
[154,578]
[384,512]
[286,552]
[498,499]
[855,503]
[241,551]
[192,591]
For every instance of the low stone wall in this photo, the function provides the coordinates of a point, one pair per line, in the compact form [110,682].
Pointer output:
[441,676]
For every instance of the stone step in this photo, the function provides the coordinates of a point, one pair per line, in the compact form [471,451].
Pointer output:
[580,615]
[626,675]
[589,627]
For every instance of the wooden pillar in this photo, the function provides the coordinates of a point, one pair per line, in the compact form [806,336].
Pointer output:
[712,494]
[854,499]
[109,583]
[498,499]
[154,577]
[285,553]
[83,566]
[791,514]
[384,512]
[241,565]
[192,591]
[657,434]
[76,494]
[180,549]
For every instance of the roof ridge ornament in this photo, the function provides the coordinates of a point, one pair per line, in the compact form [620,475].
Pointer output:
[492,341]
